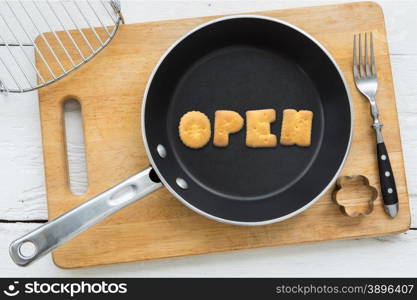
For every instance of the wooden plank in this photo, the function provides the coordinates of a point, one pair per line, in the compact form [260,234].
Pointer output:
[159,226]
[391,255]
[21,173]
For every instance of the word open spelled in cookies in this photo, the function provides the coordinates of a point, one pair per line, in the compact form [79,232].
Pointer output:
[195,128]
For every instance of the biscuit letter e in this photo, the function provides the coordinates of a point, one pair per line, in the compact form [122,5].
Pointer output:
[258,128]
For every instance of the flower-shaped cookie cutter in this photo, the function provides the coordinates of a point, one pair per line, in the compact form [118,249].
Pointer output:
[360,201]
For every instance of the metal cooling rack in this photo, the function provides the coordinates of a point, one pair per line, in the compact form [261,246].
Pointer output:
[60,36]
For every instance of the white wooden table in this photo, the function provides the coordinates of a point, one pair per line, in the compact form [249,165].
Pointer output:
[22,190]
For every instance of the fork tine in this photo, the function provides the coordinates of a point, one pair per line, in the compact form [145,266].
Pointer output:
[355,65]
[373,66]
[361,68]
[367,64]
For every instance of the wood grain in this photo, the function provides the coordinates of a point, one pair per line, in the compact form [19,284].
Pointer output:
[110,90]
[325,259]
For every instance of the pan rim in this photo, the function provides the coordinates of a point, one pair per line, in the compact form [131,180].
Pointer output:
[168,186]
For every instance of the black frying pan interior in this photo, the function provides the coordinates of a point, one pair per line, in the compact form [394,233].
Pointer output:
[243,64]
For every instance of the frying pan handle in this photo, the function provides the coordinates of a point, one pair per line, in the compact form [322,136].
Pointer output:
[63,228]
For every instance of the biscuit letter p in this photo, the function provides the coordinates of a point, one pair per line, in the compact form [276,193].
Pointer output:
[226,122]
[258,128]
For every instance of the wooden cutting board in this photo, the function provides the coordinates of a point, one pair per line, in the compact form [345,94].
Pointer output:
[110,90]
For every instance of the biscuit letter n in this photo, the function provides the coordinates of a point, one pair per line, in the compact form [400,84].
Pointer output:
[296,127]
[258,128]
[226,122]
[194,129]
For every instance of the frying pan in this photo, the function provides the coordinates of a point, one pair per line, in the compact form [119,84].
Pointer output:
[238,63]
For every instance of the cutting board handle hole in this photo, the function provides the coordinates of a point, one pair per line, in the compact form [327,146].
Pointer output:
[75,146]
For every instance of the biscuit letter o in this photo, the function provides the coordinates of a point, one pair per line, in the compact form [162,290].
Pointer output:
[194,129]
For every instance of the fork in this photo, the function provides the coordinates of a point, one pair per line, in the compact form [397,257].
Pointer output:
[366,80]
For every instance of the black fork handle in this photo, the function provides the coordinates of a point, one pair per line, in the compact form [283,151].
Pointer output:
[386,178]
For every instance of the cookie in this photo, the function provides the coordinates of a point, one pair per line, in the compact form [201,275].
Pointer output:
[225,122]
[258,128]
[194,129]
[296,127]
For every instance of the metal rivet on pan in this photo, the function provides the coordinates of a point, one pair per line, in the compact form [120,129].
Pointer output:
[182,183]
[390,190]
[161,151]
[383,157]
[387,174]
